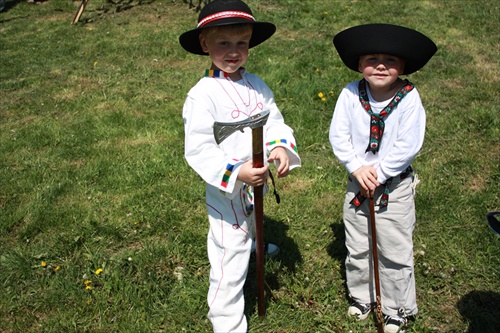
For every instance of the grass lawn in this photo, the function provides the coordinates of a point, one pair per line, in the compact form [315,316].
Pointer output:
[103,224]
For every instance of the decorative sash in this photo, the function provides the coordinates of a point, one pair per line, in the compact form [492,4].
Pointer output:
[384,200]
[377,121]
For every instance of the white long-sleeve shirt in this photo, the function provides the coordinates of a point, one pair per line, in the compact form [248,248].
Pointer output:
[402,139]
[220,99]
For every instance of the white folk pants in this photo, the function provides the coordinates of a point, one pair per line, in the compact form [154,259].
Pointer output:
[229,243]
[394,227]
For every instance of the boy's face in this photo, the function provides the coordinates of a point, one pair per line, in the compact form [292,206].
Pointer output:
[227,47]
[381,70]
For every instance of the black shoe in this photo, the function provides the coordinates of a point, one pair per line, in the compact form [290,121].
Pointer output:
[271,250]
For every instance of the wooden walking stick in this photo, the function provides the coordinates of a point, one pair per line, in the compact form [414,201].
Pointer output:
[221,132]
[378,310]
[258,206]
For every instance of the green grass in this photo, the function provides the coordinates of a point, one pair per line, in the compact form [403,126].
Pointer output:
[92,174]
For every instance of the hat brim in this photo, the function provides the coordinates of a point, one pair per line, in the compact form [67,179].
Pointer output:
[261,32]
[412,46]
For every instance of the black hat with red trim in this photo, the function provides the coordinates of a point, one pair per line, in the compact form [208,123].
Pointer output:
[225,12]
[414,47]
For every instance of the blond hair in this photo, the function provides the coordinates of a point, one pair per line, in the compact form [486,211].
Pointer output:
[237,29]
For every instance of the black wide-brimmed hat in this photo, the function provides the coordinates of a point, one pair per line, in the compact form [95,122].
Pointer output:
[225,12]
[414,47]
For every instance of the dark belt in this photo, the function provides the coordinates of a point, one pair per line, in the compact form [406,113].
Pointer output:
[358,199]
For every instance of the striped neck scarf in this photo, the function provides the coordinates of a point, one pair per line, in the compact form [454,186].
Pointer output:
[377,124]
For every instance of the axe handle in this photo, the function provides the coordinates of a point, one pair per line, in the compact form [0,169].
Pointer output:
[378,310]
[258,162]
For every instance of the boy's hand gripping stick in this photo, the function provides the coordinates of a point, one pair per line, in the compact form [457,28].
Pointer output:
[221,132]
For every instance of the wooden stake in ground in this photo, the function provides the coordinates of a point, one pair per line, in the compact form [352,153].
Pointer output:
[79,11]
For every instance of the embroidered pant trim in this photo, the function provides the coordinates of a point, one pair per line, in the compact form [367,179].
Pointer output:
[229,243]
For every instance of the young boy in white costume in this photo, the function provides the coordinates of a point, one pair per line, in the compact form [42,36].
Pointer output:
[380,106]
[228,93]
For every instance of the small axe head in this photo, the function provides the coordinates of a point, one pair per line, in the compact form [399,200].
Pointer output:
[224,130]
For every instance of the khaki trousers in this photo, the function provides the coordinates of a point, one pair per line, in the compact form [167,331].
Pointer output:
[394,226]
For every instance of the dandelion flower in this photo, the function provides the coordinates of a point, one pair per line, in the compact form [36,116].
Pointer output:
[43,264]
[320,95]
[88,287]
[87,282]
[57,268]
[95,63]
[98,271]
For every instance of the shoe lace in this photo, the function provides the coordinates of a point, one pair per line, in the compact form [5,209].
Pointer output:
[401,319]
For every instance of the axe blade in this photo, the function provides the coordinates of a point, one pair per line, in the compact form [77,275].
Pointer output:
[223,130]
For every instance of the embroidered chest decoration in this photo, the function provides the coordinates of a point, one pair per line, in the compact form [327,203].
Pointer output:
[245,99]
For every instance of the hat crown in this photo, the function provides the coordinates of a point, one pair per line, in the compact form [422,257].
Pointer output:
[221,9]
[223,13]
[414,47]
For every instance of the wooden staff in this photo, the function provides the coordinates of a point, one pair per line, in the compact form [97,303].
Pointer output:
[258,162]
[378,311]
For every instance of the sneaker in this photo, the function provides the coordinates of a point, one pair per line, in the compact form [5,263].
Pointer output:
[360,310]
[395,324]
[270,249]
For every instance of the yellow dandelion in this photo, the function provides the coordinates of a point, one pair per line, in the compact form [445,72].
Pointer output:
[57,268]
[98,271]
[317,70]
[324,99]
[43,264]
[88,287]
[325,13]
[87,282]
[332,93]
[321,95]
[95,63]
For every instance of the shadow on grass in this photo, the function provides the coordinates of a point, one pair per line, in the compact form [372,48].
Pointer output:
[10,4]
[481,309]
[112,6]
[122,5]
[337,249]
[289,257]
